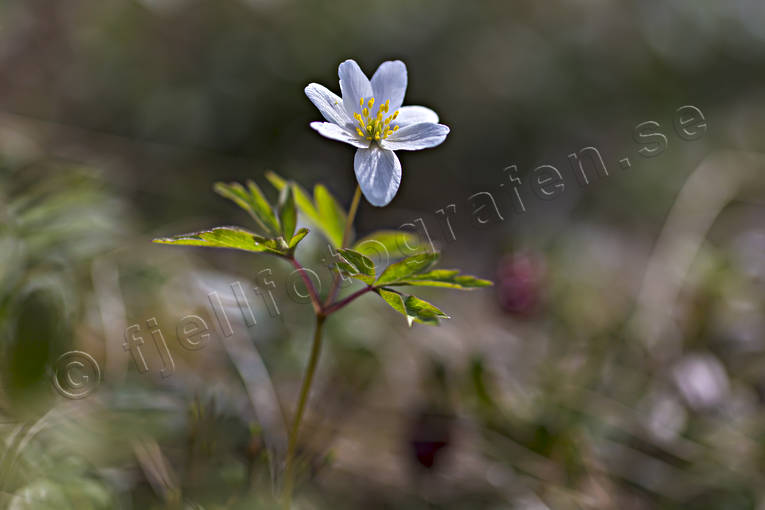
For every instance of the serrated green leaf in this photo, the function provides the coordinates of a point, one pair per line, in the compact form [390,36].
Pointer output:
[332,216]
[422,311]
[412,307]
[471,282]
[236,193]
[276,180]
[427,283]
[297,237]
[395,300]
[262,208]
[369,280]
[389,244]
[288,214]
[225,237]
[436,274]
[363,265]
[356,266]
[302,199]
[252,201]
[409,266]
[326,214]
[347,267]
[447,278]
[349,270]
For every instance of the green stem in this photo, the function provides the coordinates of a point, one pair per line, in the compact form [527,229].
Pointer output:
[351,216]
[321,314]
[346,239]
[289,479]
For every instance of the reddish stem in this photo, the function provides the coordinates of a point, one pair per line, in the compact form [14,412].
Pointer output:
[315,301]
[345,301]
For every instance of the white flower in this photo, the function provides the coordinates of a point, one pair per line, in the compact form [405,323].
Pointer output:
[370,117]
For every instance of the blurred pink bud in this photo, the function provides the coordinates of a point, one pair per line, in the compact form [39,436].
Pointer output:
[519,283]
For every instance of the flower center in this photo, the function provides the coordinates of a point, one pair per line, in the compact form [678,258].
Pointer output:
[377,126]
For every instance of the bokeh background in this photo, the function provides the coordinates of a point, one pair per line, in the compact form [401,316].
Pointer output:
[617,363]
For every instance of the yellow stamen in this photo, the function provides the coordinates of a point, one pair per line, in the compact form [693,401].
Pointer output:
[375,126]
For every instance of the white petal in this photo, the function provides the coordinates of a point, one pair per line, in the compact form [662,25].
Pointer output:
[415,114]
[329,104]
[340,134]
[354,85]
[379,174]
[389,82]
[418,136]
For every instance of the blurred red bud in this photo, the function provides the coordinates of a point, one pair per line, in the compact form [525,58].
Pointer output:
[430,433]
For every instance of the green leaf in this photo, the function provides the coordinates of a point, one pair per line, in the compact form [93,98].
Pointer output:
[347,267]
[422,311]
[262,208]
[237,194]
[369,280]
[412,307]
[276,180]
[252,201]
[288,214]
[395,300]
[302,199]
[350,270]
[389,244]
[225,237]
[436,274]
[448,278]
[406,267]
[299,235]
[332,216]
[471,282]
[362,264]
[356,266]
[326,213]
